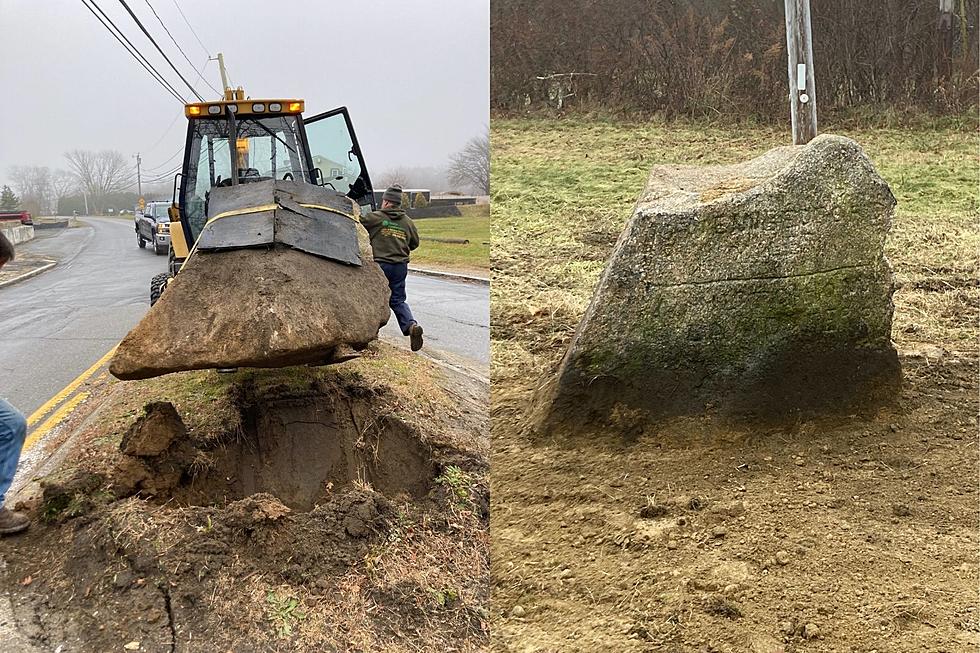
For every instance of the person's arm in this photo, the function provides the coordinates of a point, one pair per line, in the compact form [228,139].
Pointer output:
[413,237]
[370,220]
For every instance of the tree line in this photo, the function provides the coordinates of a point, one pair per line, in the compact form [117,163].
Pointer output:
[100,179]
[98,176]
[469,169]
[727,58]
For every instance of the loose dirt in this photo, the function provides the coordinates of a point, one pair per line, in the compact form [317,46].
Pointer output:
[854,535]
[311,509]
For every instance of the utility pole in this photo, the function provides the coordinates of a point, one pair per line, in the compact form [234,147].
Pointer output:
[946,39]
[139,180]
[224,77]
[802,87]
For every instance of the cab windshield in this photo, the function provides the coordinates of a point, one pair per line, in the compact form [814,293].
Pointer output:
[159,212]
[266,147]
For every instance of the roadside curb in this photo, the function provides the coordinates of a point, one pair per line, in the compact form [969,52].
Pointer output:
[450,275]
[28,275]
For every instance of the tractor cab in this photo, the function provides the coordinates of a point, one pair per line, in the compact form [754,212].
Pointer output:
[242,141]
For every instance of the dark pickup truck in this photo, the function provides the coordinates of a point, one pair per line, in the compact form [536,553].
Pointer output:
[21,216]
[153,226]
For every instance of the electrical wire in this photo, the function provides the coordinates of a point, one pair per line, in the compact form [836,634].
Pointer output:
[147,66]
[172,157]
[135,50]
[177,117]
[206,51]
[160,50]
[177,45]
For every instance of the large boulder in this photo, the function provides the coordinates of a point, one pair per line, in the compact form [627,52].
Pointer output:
[269,307]
[758,290]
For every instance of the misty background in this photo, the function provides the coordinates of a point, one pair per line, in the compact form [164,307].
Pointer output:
[415,77]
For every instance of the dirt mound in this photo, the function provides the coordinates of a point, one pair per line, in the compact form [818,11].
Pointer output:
[154,431]
[322,519]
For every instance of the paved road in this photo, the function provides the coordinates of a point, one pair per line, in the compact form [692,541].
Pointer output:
[57,324]
[455,316]
[54,326]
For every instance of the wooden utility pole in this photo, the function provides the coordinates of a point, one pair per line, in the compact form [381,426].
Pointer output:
[224,77]
[802,87]
[139,179]
[946,39]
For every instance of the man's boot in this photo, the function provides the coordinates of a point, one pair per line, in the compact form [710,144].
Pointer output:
[13,522]
[415,333]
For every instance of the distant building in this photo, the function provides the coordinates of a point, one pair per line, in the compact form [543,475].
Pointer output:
[412,192]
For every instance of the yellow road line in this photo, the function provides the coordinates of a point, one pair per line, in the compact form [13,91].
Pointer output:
[49,405]
[55,419]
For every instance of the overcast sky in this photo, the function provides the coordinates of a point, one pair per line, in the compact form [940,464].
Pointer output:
[414,74]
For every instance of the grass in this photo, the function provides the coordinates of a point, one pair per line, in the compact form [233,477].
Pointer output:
[284,613]
[474,226]
[563,190]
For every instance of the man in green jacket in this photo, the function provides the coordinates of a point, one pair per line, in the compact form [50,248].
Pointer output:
[393,237]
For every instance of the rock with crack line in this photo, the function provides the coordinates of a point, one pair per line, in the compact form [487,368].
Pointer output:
[751,291]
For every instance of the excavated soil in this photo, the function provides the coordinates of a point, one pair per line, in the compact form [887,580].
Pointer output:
[323,518]
[852,534]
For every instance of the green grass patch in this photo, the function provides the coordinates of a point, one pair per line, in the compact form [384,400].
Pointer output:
[563,189]
[473,226]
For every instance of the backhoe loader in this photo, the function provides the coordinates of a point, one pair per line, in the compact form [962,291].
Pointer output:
[276,198]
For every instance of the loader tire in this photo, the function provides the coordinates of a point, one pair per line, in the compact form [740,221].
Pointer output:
[157,286]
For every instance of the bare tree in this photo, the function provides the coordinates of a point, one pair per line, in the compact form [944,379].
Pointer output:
[33,183]
[393,176]
[470,167]
[100,173]
[63,184]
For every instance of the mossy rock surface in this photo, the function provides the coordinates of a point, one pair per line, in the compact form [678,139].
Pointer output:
[756,290]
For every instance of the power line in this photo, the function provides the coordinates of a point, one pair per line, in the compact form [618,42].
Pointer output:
[177,45]
[160,50]
[163,176]
[177,117]
[136,50]
[206,51]
[172,157]
[147,66]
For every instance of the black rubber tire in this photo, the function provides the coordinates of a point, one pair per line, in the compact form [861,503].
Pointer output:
[157,286]
[157,250]
[140,241]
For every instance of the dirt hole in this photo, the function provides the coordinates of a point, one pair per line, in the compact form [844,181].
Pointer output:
[300,449]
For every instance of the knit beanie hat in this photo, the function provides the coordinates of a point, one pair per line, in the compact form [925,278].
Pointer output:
[393,195]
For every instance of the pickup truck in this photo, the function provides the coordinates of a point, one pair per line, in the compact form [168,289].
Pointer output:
[21,216]
[153,226]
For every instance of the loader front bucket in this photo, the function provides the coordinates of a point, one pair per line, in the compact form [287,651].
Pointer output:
[281,274]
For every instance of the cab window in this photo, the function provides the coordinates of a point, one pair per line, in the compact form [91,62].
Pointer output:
[264,147]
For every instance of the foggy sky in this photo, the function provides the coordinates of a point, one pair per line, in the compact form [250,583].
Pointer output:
[414,74]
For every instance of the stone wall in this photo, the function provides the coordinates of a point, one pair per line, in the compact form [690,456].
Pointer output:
[17,234]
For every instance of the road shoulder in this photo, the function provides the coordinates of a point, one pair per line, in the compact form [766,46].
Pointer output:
[25,267]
